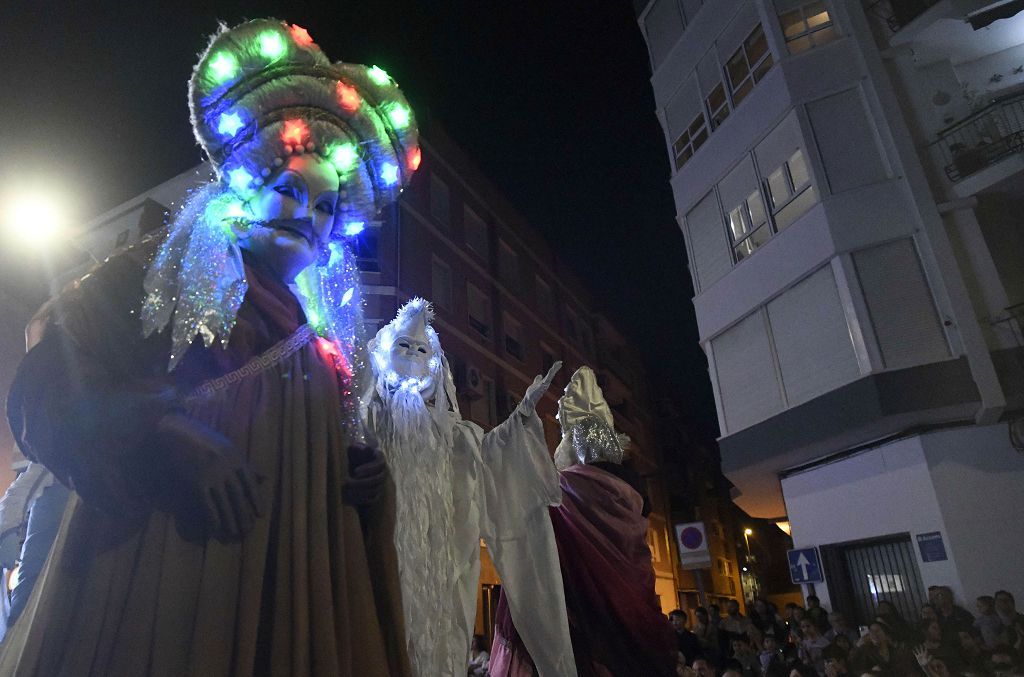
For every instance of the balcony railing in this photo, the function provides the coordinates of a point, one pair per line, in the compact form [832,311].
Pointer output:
[982,139]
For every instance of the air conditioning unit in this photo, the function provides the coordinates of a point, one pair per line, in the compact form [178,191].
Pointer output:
[474,386]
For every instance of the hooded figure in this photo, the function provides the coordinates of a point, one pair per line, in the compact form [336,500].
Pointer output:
[615,620]
[222,521]
[455,485]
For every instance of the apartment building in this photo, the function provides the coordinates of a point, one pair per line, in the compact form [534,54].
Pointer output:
[847,178]
[506,308]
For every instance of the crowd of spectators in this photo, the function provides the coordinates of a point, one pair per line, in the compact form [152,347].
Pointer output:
[943,641]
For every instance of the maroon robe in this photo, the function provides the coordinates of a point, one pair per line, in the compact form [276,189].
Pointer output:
[615,621]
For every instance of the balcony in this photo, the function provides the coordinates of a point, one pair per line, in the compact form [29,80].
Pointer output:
[982,139]
[898,13]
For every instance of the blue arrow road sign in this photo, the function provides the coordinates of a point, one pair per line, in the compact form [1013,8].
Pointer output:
[805,565]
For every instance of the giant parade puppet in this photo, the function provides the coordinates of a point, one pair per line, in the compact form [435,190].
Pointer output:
[456,485]
[200,397]
[600,526]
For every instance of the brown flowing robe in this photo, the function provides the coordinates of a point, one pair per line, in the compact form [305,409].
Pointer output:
[133,587]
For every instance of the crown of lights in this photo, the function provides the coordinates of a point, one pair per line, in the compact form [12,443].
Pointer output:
[264,90]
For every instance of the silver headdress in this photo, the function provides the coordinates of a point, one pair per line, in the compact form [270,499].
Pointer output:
[588,428]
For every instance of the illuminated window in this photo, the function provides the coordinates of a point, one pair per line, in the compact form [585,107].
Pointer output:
[748,226]
[807,26]
[790,192]
[881,584]
[748,65]
[690,140]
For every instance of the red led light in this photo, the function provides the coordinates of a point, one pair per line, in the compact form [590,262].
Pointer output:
[295,132]
[414,157]
[330,352]
[348,97]
[301,36]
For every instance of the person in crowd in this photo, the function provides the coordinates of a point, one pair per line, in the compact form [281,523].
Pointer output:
[734,624]
[1017,635]
[816,613]
[840,627]
[702,667]
[771,659]
[1006,609]
[988,623]
[707,635]
[834,658]
[479,658]
[952,618]
[926,614]
[1002,660]
[801,669]
[733,668]
[937,643]
[899,626]
[794,616]
[931,665]
[744,654]
[813,644]
[765,616]
[877,651]
[688,643]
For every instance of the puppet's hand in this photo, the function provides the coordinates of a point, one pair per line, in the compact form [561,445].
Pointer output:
[537,389]
[224,488]
[367,473]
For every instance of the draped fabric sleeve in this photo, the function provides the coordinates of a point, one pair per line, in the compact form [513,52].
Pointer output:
[86,399]
[518,483]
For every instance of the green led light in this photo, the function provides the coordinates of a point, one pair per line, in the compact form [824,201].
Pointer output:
[399,116]
[379,75]
[344,157]
[223,67]
[271,45]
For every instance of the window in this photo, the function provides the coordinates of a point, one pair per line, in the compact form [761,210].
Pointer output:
[479,310]
[663,25]
[366,248]
[748,226]
[545,300]
[483,409]
[790,193]
[441,283]
[476,231]
[508,265]
[748,64]
[692,138]
[514,345]
[717,105]
[807,26]
[440,207]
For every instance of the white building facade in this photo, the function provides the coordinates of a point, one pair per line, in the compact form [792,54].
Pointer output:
[849,179]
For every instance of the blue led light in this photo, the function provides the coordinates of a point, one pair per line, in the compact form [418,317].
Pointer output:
[239,180]
[353,228]
[229,124]
[389,174]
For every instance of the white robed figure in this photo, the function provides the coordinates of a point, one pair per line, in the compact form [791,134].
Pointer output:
[455,485]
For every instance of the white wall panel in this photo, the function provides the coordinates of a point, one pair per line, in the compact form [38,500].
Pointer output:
[847,141]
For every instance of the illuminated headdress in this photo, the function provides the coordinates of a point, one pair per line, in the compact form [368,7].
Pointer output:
[413,319]
[260,92]
[588,428]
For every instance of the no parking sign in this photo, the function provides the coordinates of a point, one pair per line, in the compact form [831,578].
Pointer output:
[693,545]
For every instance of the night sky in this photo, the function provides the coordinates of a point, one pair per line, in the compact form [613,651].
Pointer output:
[551,99]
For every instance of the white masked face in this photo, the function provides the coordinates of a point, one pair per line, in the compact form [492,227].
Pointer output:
[410,356]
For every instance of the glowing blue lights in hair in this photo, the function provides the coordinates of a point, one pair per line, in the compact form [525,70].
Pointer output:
[228,124]
[389,174]
[353,228]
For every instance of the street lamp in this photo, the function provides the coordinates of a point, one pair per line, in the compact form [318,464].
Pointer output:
[33,218]
[747,533]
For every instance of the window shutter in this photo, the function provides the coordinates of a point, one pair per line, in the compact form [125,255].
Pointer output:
[812,338]
[747,384]
[902,310]
[708,242]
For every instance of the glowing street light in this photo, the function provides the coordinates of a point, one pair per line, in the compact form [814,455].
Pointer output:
[33,219]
